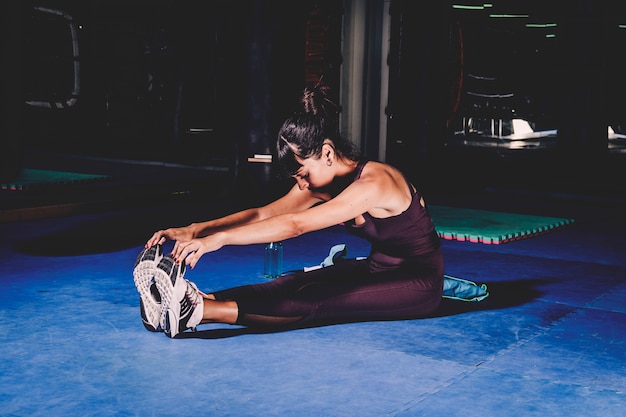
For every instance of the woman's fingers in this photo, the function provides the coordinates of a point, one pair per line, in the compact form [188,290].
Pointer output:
[187,251]
[192,259]
[159,237]
[155,239]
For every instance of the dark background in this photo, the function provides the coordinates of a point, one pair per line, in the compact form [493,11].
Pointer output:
[209,82]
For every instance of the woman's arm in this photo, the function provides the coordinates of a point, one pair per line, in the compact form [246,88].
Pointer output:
[294,200]
[360,197]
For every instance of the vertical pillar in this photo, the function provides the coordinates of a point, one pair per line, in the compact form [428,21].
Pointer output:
[582,130]
[415,110]
[270,85]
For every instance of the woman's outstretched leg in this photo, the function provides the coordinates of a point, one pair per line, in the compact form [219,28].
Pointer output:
[219,311]
[227,312]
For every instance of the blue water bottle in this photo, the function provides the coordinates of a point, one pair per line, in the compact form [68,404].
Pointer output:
[273,260]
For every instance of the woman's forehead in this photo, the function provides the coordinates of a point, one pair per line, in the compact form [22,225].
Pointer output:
[299,171]
[300,160]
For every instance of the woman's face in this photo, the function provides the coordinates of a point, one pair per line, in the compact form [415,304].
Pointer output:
[314,173]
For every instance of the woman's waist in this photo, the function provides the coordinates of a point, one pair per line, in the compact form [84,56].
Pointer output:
[408,248]
[384,261]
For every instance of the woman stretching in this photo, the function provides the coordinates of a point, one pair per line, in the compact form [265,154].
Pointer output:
[402,277]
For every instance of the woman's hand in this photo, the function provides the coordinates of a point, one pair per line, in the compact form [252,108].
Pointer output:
[190,251]
[179,234]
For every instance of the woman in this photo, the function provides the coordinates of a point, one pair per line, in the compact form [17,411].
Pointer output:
[402,277]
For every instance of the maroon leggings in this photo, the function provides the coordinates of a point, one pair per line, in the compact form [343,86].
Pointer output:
[344,292]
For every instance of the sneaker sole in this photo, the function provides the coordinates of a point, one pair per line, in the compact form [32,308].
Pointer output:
[168,274]
[143,276]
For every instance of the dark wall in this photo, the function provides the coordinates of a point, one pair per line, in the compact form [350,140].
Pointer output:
[209,83]
[569,82]
[11,150]
[159,77]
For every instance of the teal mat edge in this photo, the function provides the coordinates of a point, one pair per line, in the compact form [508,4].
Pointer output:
[444,216]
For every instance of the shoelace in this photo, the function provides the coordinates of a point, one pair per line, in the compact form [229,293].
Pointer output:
[188,305]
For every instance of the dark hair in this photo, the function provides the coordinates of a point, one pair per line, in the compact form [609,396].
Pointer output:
[303,134]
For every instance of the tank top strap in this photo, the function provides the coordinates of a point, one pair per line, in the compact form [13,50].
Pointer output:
[359,168]
[412,189]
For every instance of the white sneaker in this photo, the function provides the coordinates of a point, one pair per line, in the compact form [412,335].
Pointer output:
[182,303]
[149,298]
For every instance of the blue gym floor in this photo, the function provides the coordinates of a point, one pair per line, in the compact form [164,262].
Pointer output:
[549,341]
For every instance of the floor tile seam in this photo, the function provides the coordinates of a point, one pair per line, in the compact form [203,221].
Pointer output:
[541,331]
[587,305]
[545,330]
[617,286]
[443,385]
[469,372]
[407,407]
[485,364]
[613,289]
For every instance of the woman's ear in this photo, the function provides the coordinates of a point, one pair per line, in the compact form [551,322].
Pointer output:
[327,150]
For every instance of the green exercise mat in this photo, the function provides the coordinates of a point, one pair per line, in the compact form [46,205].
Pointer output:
[490,227]
[35,178]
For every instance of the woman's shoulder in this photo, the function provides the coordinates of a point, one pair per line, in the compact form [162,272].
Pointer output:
[387,176]
[388,187]
[377,169]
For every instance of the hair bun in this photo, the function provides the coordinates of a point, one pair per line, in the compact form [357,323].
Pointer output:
[315,101]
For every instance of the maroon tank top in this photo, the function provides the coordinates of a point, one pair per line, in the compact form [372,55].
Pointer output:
[399,239]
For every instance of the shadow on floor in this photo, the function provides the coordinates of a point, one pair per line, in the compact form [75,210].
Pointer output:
[502,295]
